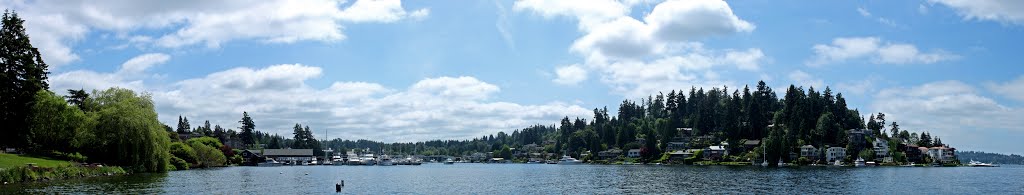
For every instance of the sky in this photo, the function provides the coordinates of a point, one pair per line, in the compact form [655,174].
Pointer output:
[392,70]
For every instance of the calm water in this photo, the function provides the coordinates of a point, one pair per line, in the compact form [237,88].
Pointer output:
[551,179]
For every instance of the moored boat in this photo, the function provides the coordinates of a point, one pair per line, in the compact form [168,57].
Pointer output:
[974,163]
[859,162]
[568,160]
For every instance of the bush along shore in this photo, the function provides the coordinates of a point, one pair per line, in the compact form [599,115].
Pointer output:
[34,173]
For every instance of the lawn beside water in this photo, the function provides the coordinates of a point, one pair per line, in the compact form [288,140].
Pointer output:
[14,160]
[14,169]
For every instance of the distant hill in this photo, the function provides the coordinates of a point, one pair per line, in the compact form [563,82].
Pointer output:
[967,156]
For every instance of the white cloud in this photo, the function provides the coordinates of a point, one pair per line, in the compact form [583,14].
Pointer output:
[589,13]
[908,54]
[385,11]
[129,75]
[681,20]
[993,10]
[56,25]
[278,96]
[921,9]
[570,75]
[746,60]
[955,111]
[863,12]
[859,87]
[638,57]
[142,62]
[802,78]
[1012,89]
[846,48]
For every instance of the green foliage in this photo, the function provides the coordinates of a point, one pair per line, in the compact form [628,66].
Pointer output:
[178,163]
[26,174]
[13,160]
[128,133]
[248,126]
[208,141]
[207,156]
[183,151]
[867,154]
[54,124]
[22,74]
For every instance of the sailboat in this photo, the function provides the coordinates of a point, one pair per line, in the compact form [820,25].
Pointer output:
[764,155]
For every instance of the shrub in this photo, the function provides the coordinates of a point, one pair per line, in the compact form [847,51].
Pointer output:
[178,163]
[183,152]
[207,156]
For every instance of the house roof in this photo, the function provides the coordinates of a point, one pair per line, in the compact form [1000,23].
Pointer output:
[752,142]
[634,150]
[807,146]
[716,147]
[288,152]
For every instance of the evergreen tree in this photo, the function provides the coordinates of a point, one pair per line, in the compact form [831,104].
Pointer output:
[22,74]
[247,129]
[77,98]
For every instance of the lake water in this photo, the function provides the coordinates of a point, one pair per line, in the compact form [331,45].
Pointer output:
[551,179]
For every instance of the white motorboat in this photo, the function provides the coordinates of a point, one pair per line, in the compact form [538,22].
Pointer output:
[337,160]
[838,163]
[859,162]
[269,162]
[781,164]
[311,162]
[367,159]
[974,163]
[568,160]
[385,160]
[449,161]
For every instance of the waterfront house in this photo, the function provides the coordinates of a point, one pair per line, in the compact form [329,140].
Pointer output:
[881,148]
[913,153]
[809,152]
[679,155]
[833,154]
[942,154]
[673,146]
[715,152]
[289,155]
[252,157]
[609,154]
[750,145]
[633,153]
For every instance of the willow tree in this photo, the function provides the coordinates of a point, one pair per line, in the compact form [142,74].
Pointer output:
[128,133]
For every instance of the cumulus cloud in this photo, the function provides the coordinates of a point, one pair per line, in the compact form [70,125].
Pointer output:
[847,48]
[142,62]
[1010,12]
[660,51]
[129,75]
[570,75]
[278,96]
[955,111]
[1012,89]
[802,78]
[56,25]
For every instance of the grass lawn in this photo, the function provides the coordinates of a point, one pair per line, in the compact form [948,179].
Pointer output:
[13,160]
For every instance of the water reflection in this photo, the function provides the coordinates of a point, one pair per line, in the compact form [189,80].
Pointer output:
[548,179]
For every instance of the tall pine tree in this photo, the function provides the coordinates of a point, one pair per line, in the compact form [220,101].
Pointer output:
[22,74]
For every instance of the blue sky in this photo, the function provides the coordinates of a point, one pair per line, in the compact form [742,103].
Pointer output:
[418,70]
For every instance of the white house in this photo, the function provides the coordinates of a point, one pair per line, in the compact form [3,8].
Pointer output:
[881,147]
[633,153]
[833,154]
[809,151]
[942,154]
